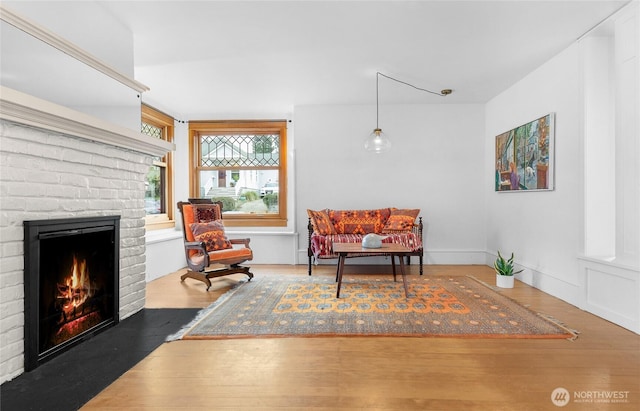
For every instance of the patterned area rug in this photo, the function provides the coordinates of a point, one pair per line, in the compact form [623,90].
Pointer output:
[286,306]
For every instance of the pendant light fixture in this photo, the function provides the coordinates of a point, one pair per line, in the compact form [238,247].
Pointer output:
[378,142]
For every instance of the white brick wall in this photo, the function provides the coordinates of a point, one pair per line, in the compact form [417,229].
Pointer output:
[46,175]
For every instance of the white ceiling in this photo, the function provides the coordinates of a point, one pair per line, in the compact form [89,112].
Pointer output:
[217,59]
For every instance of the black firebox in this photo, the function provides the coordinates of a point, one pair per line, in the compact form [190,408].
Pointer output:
[71,283]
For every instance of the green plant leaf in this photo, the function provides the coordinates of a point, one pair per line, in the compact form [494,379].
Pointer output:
[505,267]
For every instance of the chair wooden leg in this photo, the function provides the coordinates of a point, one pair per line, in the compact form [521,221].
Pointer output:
[235,268]
[221,272]
[197,276]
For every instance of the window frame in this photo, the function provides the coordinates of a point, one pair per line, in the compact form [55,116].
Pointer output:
[165,122]
[222,127]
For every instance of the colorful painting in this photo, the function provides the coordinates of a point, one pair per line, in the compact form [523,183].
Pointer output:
[524,156]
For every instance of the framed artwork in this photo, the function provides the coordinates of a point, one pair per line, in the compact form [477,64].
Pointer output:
[524,157]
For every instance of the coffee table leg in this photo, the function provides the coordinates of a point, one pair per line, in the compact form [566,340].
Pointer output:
[404,277]
[341,258]
[393,266]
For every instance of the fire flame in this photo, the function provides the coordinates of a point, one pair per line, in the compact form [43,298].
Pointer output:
[76,287]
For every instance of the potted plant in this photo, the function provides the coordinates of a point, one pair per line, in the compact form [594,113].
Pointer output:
[504,271]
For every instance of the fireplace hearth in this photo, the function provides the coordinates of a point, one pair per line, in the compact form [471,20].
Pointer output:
[71,283]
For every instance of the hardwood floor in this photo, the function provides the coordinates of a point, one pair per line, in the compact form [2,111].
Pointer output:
[355,373]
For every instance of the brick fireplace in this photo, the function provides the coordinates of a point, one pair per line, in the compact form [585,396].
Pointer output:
[47,173]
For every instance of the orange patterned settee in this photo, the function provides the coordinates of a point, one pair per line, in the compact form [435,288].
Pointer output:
[400,226]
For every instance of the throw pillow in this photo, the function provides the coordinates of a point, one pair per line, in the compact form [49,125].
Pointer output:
[401,220]
[321,223]
[212,234]
[207,212]
[359,221]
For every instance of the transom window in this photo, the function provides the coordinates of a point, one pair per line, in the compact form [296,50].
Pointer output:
[242,164]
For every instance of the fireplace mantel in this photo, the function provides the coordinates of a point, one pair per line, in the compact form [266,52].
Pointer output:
[29,110]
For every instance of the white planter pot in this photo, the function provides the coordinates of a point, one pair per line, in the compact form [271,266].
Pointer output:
[504,281]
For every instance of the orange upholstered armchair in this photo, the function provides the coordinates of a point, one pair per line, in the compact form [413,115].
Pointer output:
[208,251]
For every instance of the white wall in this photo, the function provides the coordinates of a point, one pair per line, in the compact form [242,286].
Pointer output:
[543,229]
[549,231]
[435,164]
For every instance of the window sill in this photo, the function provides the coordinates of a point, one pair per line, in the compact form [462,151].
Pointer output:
[159,236]
[235,221]
[153,223]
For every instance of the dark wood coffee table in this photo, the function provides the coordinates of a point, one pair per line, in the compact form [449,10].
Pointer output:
[345,250]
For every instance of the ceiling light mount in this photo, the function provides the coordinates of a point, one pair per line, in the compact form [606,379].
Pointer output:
[377,141]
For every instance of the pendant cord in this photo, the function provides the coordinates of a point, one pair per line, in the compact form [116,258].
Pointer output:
[377,131]
[443,93]
[377,106]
